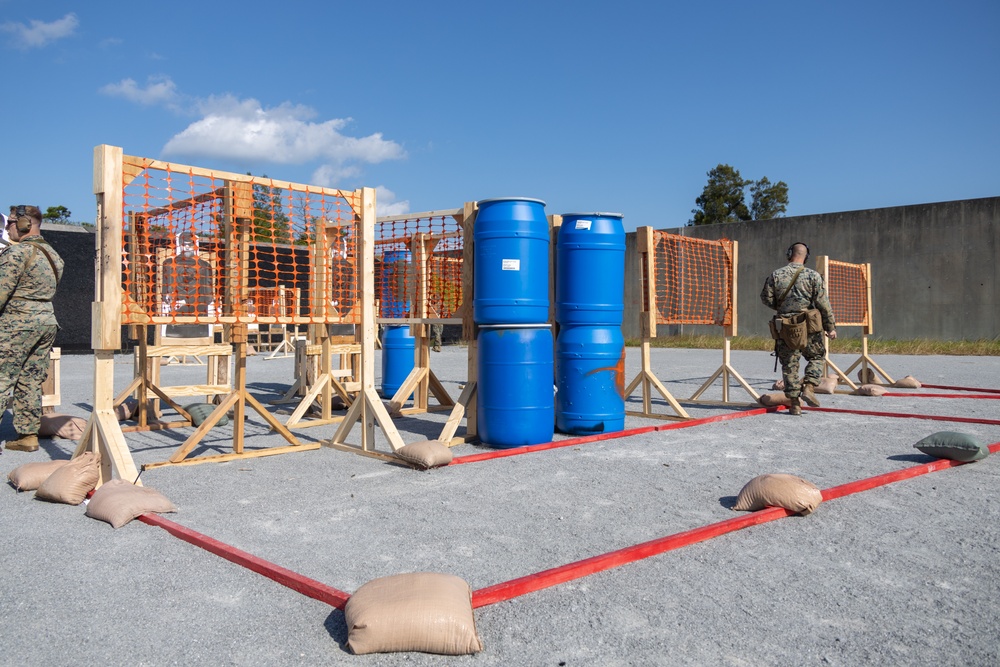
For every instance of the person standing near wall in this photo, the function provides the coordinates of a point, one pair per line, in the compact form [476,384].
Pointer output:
[29,273]
[793,290]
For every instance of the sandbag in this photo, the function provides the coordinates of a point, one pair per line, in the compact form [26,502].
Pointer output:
[421,611]
[29,476]
[779,490]
[426,454]
[72,482]
[118,502]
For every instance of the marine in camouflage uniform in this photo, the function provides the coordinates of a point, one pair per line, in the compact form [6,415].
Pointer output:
[29,272]
[807,292]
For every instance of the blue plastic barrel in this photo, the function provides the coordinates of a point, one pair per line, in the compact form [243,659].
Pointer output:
[590,269]
[514,395]
[397,358]
[393,284]
[590,380]
[511,262]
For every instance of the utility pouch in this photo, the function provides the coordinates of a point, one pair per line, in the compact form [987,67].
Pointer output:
[814,321]
[795,331]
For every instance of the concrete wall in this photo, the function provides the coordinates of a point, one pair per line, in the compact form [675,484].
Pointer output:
[934,267]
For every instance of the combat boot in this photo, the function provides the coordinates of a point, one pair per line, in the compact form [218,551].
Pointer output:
[795,409]
[24,443]
[809,395]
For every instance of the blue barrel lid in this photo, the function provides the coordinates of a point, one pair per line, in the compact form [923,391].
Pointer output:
[593,215]
[496,199]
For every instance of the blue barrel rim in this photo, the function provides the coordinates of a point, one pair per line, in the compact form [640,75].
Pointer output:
[526,325]
[491,200]
[593,215]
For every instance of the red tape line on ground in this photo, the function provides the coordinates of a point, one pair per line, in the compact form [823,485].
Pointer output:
[297,582]
[868,413]
[953,388]
[558,575]
[898,394]
[528,449]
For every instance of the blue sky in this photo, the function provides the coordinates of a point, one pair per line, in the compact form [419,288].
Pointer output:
[589,106]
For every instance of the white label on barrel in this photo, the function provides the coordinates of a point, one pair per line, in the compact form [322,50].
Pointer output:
[583,224]
[510,265]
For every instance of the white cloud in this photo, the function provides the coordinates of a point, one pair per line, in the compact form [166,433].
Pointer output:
[386,204]
[36,34]
[158,90]
[236,129]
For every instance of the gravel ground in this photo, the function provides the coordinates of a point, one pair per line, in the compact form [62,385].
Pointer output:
[902,574]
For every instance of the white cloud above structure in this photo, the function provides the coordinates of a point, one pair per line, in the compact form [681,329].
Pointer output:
[36,34]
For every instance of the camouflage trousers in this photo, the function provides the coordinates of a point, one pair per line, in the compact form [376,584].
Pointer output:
[24,363]
[815,353]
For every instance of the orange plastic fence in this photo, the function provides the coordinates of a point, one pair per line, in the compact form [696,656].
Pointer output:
[418,267]
[847,288]
[207,249]
[693,280]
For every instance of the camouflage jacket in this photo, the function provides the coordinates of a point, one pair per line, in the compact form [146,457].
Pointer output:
[27,284]
[808,292]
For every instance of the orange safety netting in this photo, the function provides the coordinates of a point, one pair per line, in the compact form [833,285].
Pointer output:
[693,280]
[418,267]
[207,248]
[847,288]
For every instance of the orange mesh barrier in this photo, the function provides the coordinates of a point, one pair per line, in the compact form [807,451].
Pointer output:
[212,247]
[693,280]
[418,267]
[847,288]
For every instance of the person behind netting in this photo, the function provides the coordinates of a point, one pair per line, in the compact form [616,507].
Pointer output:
[791,290]
[187,286]
[30,270]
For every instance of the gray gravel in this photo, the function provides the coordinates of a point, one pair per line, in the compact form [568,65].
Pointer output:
[902,574]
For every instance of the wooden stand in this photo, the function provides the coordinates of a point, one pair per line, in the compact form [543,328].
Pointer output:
[865,362]
[367,409]
[51,386]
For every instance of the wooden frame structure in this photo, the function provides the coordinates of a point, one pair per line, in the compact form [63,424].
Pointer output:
[868,366]
[113,171]
[649,317]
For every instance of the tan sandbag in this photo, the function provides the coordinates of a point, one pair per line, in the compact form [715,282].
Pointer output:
[909,382]
[29,476]
[827,385]
[426,454]
[72,482]
[773,400]
[866,376]
[421,611]
[126,409]
[779,490]
[118,502]
[869,390]
[55,425]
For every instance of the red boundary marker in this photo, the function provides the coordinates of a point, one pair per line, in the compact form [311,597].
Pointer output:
[558,575]
[953,388]
[964,420]
[547,578]
[285,577]
[901,394]
[528,449]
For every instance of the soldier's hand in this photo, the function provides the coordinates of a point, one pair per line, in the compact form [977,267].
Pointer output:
[831,334]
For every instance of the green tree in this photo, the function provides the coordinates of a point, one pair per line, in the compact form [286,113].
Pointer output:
[768,201]
[724,198]
[270,223]
[58,214]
